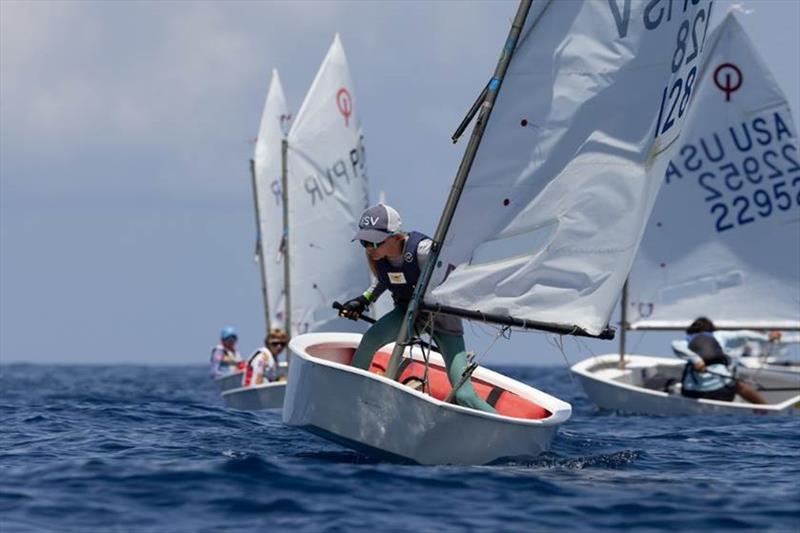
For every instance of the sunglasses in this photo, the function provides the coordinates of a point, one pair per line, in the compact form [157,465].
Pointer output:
[373,245]
[277,344]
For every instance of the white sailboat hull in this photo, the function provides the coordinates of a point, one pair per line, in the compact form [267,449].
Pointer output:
[771,366]
[379,416]
[231,381]
[625,390]
[257,397]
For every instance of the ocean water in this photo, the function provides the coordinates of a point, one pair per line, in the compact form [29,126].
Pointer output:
[134,448]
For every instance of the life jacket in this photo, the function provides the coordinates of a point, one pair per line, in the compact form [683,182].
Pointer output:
[706,346]
[239,365]
[248,372]
[402,280]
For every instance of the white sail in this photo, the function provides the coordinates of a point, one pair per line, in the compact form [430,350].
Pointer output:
[571,160]
[328,191]
[724,236]
[274,121]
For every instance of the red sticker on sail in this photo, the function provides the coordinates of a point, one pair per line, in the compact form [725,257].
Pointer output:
[345,104]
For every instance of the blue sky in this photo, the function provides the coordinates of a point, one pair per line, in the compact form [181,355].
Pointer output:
[126,224]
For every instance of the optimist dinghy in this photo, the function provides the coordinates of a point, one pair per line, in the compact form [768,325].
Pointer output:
[651,386]
[723,240]
[406,421]
[306,218]
[539,232]
[256,397]
[265,172]
[231,381]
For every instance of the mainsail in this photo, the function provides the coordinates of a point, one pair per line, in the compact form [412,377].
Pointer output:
[267,174]
[724,236]
[328,191]
[570,163]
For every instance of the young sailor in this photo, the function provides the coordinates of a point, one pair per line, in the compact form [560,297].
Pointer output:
[264,362]
[397,258]
[747,342]
[225,359]
[710,372]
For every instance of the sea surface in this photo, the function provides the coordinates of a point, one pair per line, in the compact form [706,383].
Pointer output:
[153,449]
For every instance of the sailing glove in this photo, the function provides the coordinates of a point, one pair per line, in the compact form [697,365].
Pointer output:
[353,308]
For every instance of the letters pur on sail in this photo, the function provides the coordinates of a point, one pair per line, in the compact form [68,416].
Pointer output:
[571,160]
[328,191]
[274,124]
[724,237]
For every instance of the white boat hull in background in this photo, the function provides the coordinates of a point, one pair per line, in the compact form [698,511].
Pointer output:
[770,365]
[381,417]
[625,390]
[257,397]
[231,381]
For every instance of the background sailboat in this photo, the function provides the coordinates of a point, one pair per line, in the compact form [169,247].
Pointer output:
[325,189]
[724,237]
[328,189]
[268,197]
[266,171]
[543,235]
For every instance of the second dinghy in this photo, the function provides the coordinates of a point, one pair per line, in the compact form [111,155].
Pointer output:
[723,241]
[650,385]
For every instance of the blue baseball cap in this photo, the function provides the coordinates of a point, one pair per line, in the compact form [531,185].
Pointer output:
[227,333]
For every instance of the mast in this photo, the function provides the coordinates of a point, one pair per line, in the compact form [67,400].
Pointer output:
[623,323]
[259,246]
[407,327]
[287,300]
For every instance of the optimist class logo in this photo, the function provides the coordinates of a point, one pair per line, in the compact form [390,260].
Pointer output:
[728,79]
[345,104]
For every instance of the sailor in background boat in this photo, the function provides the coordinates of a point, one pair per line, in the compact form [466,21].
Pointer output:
[263,364]
[750,343]
[225,359]
[396,259]
[710,372]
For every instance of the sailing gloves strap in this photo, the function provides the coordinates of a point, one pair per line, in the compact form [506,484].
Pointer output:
[353,309]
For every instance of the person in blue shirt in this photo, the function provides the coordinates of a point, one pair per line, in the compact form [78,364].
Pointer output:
[225,360]
[396,259]
[710,371]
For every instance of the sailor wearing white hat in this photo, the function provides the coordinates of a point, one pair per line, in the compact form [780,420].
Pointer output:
[396,259]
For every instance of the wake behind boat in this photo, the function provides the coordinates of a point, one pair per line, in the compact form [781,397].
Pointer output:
[651,386]
[371,413]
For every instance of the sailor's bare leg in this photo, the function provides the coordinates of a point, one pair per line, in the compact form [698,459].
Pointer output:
[749,393]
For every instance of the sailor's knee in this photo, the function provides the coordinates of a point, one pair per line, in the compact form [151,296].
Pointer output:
[468,398]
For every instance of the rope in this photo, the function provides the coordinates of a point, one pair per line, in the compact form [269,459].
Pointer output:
[557,341]
[425,348]
[504,332]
